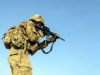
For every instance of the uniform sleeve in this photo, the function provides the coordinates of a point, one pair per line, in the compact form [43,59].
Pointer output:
[33,48]
[37,46]
[31,32]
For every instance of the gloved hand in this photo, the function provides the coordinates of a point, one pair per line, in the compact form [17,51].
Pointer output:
[53,38]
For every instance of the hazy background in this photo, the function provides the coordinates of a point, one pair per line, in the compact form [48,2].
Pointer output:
[77,21]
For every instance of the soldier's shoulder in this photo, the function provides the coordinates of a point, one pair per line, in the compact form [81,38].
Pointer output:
[23,23]
[26,21]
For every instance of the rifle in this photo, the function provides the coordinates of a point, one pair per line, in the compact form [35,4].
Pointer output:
[47,32]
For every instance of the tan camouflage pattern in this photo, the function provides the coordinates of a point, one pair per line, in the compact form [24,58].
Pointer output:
[38,18]
[33,48]
[18,57]
[19,61]
[7,37]
[32,33]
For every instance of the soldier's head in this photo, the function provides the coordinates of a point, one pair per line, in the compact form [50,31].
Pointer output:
[38,19]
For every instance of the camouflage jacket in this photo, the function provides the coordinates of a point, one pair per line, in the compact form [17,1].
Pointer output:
[33,36]
[19,56]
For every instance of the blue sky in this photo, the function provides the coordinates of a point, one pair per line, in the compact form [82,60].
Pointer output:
[77,21]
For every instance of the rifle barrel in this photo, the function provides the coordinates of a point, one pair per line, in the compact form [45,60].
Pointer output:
[62,39]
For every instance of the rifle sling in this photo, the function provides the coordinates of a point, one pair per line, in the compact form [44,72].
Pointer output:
[44,50]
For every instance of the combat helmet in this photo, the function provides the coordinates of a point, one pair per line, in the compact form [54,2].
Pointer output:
[38,18]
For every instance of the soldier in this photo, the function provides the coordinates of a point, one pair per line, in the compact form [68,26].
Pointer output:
[25,43]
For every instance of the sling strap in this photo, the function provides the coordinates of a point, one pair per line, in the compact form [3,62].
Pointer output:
[44,50]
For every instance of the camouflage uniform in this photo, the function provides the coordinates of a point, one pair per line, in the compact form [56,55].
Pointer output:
[18,57]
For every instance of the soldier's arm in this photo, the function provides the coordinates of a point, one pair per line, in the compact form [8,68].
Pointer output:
[45,43]
[38,46]
[31,32]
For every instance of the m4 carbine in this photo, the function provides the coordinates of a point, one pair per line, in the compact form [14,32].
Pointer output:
[47,32]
